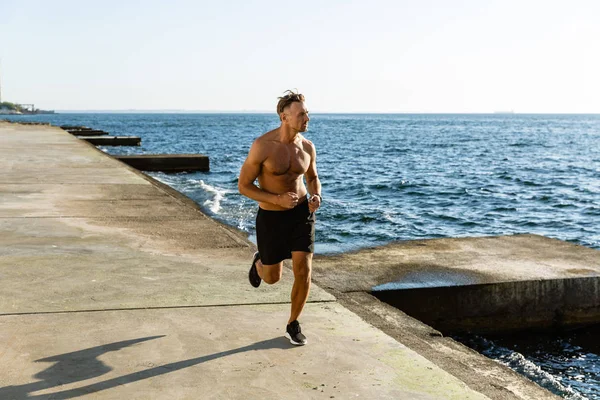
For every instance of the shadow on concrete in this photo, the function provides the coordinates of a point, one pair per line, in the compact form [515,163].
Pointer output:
[83,364]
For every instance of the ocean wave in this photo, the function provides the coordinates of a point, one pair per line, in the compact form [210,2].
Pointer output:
[218,195]
[595,211]
[542,198]
[527,182]
[502,209]
[564,205]
[396,150]
[518,362]
[522,144]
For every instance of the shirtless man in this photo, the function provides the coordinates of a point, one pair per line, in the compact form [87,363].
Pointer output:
[285,224]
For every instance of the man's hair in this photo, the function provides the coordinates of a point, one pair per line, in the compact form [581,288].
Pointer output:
[288,98]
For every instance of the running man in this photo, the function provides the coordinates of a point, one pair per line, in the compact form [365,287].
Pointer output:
[285,224]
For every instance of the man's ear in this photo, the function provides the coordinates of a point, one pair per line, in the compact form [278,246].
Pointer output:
[283,117]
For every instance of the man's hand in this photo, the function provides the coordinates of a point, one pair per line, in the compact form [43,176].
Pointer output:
[314,203]
[287,200]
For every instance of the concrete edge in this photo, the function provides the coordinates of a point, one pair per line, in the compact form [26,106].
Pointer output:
[478,372]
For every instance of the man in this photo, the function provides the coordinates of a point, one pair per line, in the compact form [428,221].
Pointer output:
[285,224]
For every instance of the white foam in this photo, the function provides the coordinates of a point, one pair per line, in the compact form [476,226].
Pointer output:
[389,216]
[213,205]
[517,361]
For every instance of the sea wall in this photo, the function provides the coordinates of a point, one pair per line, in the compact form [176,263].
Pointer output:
[486,284]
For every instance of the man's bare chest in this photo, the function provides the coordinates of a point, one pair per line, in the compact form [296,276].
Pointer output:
[287,159]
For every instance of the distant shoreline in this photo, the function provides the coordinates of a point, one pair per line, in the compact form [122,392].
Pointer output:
[37,112]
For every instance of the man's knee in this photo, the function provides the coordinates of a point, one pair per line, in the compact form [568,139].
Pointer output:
[272,278]
[272,273]
[303,267]
[303,276]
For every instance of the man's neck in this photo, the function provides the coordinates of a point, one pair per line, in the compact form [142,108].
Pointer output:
[287,135]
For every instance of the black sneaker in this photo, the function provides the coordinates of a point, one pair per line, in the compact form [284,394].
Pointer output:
[253,273]
[294,333]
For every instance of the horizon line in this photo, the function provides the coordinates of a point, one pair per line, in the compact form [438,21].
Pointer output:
[184,111]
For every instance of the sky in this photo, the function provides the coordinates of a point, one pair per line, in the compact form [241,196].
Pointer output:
[428,56]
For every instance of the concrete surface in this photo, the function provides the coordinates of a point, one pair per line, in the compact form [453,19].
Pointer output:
[115,286]
[486,284]
[214,352]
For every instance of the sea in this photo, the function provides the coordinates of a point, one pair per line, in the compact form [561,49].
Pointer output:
[391,177]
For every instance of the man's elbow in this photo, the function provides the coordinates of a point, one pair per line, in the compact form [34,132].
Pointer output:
[242,187]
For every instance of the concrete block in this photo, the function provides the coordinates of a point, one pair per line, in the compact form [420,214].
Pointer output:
[167,162]
[87,132]
[113,140]
[75,127]
[486,284]
[502,307]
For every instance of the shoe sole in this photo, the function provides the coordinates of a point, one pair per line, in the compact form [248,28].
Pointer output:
[253,266]
[287,335]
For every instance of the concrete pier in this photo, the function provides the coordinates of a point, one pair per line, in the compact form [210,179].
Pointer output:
[90,132]
[112,140]
[167,162]
[487,284]
[75,127]
[115,286]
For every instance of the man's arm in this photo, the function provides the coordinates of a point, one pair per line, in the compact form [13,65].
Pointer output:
[313,184]
[248,174]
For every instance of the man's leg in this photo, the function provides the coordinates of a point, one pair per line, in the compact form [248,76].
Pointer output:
[269,273]
[302,265]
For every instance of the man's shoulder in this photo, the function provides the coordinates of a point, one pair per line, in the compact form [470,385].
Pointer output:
[306,141]
[265,138]
[307,144]
[263,145]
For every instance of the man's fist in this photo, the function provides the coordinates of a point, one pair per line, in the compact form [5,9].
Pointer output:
[314,203]
[287,200]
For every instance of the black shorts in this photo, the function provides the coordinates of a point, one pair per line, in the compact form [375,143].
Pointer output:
[278,233]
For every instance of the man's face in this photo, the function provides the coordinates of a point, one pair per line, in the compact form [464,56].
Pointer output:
[297,116]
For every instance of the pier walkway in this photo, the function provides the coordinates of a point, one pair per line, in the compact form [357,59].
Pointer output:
[114,286]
